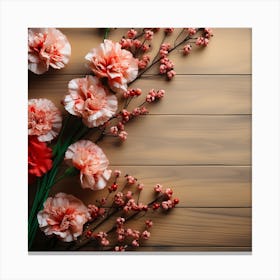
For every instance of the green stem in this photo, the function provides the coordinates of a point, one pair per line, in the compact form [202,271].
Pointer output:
[45,184]
[107,30]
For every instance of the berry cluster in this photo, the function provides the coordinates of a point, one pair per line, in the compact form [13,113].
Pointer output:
[125,205]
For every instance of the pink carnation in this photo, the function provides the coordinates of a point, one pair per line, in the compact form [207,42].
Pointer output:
[44,119]
[47,47]
[89,100]
[64,215]
[110,61]
[92,163]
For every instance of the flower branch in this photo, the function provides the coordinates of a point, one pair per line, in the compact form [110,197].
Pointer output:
[93,104]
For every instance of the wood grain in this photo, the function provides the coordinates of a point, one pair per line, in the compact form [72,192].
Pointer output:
[180,140]
[196,140]
[196,186]
[201,250]
[186,94]
[192,227]
[172,250]
[229,51]
[202,227]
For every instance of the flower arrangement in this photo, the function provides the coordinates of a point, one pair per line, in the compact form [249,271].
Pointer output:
[95,103]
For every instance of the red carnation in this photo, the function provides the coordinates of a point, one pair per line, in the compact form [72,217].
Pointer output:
[39,158]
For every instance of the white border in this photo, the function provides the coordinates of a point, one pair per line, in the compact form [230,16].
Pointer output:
[262,16]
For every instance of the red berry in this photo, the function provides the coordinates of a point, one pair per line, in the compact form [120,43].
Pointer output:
[113,188]
[176,201]
[156,206]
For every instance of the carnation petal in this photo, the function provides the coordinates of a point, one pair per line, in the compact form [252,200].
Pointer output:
[88,99]
[44,119]
[92,163]
[55,219]
[50,47]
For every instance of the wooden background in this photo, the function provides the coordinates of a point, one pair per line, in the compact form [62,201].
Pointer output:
[197,140]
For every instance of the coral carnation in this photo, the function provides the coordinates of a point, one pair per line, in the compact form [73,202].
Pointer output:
[64,215]
[88,99]
[92,163]
[47,47]
[39,158]
[114,63]
[44,119]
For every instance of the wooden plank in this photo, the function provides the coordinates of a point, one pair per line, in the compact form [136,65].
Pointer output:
[186,94]
[202,250]
[201,227]
[189,227]
[181,140]
[151,250]
[195,186]
[229,51]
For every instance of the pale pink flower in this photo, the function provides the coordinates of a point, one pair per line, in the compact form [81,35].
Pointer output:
[126,43]
[208,32]
[145,235]
[130,179]
[92,163]
[131,33]
[118,199]
[101,234]
[168,192]
[165,46]
[137,43]
[136,234]
[135,243]
[206,42]
[129,194]
[123,135]
[145,48]
[125,115]
[110,61]
[114,130]
[104,242]
[93,211]
[140,187]
[44,119]
[191,31]
[120,230]
[136,112]
[120,221]
[47,47]
[117,173]
[149,35]
[167,204]
[121,238]
[142,207]
[168,30]
[120,126]
[63,215]
[187,49]
[142,64]
[171,74]
[89,100]
[158,188]
[119,248]
[149,223]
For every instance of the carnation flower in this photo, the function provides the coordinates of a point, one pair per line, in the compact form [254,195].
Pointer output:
[47,47]
[64,215]
[89,100]
[44,119]
[39,158]
[92,163]
[110,61]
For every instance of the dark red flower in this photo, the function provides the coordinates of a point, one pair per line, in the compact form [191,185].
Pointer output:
[39,158]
